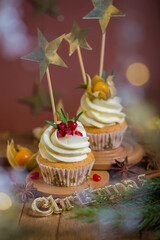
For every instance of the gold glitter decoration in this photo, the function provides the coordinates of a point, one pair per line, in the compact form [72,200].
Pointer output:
[77,38]
[56,206]
[103,10]
[46,53]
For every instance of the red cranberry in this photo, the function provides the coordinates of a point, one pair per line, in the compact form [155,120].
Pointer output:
[34,175]
[61,126]
[69,131]
[96,178]
[78,133]
[72,125]
[61,133]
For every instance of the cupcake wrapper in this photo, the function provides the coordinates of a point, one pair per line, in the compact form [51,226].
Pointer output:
[106,141]
[65,177]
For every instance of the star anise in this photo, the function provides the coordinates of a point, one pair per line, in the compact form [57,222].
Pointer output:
[122,168]
[24,192]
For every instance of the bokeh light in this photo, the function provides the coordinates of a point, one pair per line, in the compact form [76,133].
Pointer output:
[137,74]
[5,201]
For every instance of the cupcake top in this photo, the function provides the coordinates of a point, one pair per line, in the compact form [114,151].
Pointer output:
[64,142]
[100,105]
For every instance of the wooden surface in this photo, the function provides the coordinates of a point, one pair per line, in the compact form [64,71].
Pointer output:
[58,227]
[105,159]
[66,191]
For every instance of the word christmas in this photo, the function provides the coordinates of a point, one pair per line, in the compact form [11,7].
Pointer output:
[46,206]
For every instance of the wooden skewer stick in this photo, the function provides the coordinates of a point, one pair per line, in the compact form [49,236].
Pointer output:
[81,64]
[51,96]
[102,54]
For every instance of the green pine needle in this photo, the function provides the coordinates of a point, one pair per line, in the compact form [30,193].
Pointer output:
[140,207]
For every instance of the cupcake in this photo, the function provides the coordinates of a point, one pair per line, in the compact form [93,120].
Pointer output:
[102,117]
[65,158]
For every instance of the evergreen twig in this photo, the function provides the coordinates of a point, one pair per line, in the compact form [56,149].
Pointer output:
[141,206]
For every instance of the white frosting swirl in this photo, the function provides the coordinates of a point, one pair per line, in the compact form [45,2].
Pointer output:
[65,149]
[99,112]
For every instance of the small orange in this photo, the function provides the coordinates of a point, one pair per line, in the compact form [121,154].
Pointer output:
[101,86]
[22,157]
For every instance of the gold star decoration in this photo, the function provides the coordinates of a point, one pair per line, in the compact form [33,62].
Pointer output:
[77,38]
[46,53]
[40,99]
[48,6]
[103,10]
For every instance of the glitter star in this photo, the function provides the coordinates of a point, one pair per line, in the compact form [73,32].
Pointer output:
[77,38]
[42,6]
[103,10]
[39,100]
[46,53]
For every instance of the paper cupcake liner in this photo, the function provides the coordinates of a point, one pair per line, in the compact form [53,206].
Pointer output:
[65,177]
[106,141]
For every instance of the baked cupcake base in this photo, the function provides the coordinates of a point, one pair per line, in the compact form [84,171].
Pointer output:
[66,174]
[106,138]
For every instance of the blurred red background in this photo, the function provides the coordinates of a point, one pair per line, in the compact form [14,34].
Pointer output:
[134,38]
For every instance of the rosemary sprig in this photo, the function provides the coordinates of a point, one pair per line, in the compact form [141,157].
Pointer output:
[65,117]
[51,123]
[76,119]
[82,85]
[60,116]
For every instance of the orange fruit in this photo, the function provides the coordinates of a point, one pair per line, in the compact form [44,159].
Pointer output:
[101,86]
[96,79]
[22,157]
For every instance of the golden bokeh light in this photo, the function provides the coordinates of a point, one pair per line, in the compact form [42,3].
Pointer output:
[153,123]
[137,74]
[5,201]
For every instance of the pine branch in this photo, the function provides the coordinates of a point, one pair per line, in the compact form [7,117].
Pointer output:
[141,208]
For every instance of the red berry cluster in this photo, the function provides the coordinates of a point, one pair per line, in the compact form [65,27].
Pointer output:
[66,126]
[70,130]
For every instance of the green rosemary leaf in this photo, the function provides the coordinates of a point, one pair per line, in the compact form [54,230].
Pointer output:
[51,123]
[60,116]
[67,117]
[83,86]
[76,119]
[64,116]
[104,75]
[73,119]
[112,73]
[87,80]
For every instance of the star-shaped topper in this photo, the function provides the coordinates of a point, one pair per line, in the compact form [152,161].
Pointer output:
[77,38]
[103,10]
[46,53]
[49,6]
[39,100]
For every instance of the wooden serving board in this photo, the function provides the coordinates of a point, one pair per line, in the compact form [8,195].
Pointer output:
[45,188]
[105,159]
